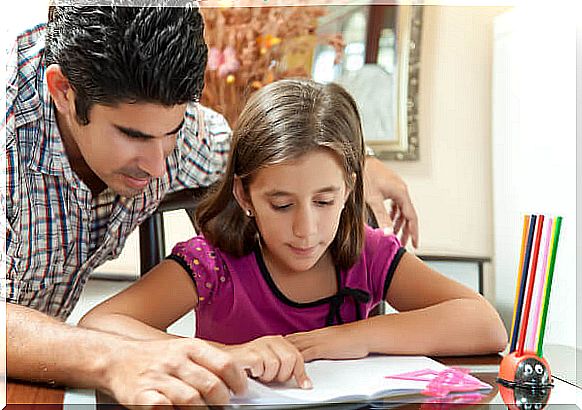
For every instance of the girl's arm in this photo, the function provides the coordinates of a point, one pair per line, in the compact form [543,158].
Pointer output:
[437,316]
[145,309]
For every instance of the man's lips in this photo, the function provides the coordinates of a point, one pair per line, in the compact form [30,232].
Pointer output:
[138,183]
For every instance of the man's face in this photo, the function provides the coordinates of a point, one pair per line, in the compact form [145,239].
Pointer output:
[126,145]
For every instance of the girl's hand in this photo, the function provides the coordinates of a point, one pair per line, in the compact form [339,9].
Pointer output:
[335,342]
[271,358]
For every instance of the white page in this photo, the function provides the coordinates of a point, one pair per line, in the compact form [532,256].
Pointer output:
[344,380]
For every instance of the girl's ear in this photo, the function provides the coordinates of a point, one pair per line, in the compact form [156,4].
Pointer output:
[241,196]
[60,90]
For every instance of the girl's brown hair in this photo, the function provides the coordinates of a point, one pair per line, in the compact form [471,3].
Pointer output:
[281,122]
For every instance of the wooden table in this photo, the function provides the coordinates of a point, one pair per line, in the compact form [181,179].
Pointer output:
[35,395]
[18,393]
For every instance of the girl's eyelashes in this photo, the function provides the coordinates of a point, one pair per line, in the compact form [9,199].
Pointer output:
[321,203]
[280,207]
[324,203]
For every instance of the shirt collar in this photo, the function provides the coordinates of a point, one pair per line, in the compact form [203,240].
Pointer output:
[48,155]
[35,107]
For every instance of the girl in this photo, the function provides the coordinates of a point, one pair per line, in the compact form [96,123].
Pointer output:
[285,269]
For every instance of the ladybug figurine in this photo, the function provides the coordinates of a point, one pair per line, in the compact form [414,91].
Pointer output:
[524,381]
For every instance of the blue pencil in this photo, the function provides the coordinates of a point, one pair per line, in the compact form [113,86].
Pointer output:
[524,277]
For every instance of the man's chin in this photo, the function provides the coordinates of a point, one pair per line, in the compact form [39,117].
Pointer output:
[127,191]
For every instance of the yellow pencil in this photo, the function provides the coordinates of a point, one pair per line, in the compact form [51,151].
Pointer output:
[519,270]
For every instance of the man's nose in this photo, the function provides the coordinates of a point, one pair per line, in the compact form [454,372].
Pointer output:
[154,159]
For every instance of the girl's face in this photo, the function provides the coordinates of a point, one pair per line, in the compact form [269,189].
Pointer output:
[297,206]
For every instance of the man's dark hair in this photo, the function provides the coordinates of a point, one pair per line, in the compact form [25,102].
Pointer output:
[114,54]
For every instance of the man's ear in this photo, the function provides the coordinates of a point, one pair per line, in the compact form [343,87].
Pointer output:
[60,89]
[241,196]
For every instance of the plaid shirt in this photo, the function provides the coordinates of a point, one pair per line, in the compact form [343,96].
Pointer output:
[57,232]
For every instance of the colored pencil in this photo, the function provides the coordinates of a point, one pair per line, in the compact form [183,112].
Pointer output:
[548,289]
[519,270]
[541,275]
[523,281]
[546,281]
[532,278]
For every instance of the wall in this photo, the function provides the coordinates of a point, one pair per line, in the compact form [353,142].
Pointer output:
[451,183]
[534,152]
[579,195]
[22,15]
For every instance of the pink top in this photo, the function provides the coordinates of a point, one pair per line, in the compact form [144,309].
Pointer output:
[239,301]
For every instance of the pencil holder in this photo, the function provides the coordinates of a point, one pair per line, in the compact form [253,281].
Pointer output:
[524,381]
[527,371]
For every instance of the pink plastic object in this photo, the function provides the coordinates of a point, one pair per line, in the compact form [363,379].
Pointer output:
[453,401]
[443,382]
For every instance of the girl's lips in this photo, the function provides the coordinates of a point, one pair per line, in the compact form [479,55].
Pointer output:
[302,251]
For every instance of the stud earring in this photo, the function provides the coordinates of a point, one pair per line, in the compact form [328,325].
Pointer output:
[249,213]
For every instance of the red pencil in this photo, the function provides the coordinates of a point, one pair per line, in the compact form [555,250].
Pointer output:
[530,286]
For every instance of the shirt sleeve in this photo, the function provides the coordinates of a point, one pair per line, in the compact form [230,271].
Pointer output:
[10,168]
[8,283]
[383,253]
[204,265]
[203,145]
[11,86]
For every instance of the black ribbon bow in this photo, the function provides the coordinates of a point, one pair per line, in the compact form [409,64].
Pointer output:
[337,300]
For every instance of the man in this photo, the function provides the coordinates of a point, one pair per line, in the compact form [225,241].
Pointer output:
[101,123]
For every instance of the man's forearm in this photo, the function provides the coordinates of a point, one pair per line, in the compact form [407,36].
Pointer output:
[134,372]
[40,348]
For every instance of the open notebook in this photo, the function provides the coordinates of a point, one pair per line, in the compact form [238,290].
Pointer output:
[336,381]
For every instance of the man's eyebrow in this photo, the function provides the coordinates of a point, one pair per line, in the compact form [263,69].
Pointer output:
[138,134]
[279,193]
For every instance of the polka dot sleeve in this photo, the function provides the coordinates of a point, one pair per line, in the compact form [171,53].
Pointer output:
[204,265]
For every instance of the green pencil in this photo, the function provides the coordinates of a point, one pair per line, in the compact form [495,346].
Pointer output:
[549,286]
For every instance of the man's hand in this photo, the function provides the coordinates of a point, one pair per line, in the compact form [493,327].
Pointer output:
[178,372]
[271,358]
[334,342]
[381,183]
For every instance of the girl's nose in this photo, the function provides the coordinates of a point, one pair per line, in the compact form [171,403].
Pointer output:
[305,223]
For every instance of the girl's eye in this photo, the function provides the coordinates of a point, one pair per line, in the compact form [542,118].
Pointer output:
[324,203]
[280,207]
